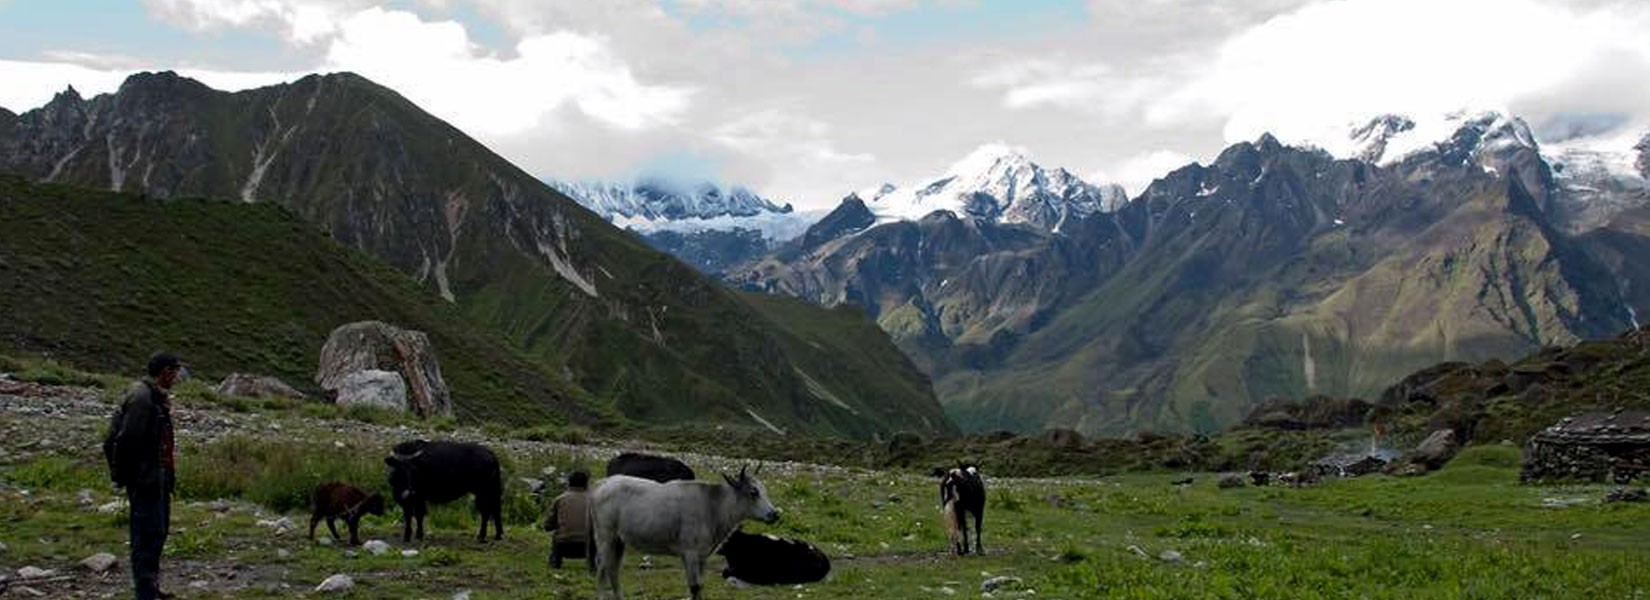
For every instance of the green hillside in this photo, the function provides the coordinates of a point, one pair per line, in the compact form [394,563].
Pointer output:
[581,299]
[104,279]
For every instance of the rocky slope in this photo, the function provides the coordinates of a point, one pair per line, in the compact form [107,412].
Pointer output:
[1274,271]
[103,279]
[628,324]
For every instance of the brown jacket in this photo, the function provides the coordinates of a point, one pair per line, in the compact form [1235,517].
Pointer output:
[568,518]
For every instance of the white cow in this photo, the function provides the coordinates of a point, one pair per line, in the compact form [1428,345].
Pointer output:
[688,519]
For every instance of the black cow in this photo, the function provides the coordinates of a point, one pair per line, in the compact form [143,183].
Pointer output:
[962,493]
[767,560]
[424,472]
[662,469]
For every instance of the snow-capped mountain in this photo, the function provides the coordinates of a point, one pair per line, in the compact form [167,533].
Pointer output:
[1001,184]
[710,226]
[661,199]
[651,205]
[1599,167]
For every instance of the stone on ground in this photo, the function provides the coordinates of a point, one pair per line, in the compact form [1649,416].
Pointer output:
[1000,582]
[377,346]
[336,583]
[256,386]
[376,547]
[99,563]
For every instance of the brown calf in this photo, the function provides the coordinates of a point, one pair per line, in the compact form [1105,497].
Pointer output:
[334,500]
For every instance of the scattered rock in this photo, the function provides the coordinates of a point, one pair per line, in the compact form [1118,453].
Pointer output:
[283,554]
[548,472]
[84,497]
[336,583]
[462,595]
[1170,556]
[376,547]
[409,553]
[99,563]
[324,540]
[29,591]
[377,346]
[112,507]
[1138,552]
[1000,582]
[1230,480]
[199,584]
[1626,494]
[256,386]
[281,526]
[33,572]
[2,548]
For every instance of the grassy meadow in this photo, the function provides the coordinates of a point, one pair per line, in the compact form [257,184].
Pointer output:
[1469,531]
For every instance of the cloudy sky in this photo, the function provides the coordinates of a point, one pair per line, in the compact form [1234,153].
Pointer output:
[804,100]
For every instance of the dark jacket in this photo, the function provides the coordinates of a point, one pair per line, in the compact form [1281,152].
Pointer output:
[143,438]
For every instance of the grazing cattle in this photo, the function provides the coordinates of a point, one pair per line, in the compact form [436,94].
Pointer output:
[962,493]
[767,560]
[1298,479]
[335,500]
[1260,478]
[688,519]
[424,473]
[662,469]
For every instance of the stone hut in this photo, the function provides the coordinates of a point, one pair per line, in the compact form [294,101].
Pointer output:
[1598,447]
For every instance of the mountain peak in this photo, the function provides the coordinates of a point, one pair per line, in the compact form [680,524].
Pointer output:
[999,182]
[991,157]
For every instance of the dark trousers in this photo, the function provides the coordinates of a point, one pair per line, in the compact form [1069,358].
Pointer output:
[561,550]
[151,519]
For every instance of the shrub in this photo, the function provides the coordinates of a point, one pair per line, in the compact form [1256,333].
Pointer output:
[278,474]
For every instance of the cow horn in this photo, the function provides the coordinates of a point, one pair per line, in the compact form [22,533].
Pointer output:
[406,457]
[758,468]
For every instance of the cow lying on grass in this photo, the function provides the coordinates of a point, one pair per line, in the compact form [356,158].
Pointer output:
[336,500]
[768,560]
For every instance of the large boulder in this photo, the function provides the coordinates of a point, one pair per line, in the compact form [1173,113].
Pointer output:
[256,386]
[376,346]
[1436,450]
[372,387]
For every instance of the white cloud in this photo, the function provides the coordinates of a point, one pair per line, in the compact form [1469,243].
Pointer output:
[1310,73]
[32,84]
[303,21]
[436,65]
[1136,172]
[793,155]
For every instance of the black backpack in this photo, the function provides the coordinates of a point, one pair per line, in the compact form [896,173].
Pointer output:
[109,444]
[110,450]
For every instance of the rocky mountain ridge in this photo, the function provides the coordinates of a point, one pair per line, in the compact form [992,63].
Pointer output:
[1274,271]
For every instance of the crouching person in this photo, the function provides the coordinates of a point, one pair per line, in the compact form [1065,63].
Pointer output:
[568,521]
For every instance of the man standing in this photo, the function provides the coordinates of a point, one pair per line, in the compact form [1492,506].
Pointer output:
[568,520]
[142,456]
